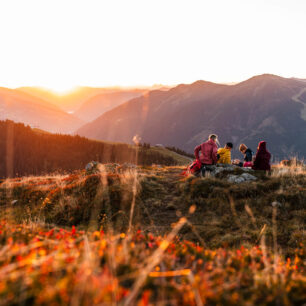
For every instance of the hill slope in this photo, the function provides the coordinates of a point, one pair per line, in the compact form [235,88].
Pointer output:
[27,151]
[22,107]
[99,104]
[93,237]
[74,99]
[263,107]
[226,213]
[69,101]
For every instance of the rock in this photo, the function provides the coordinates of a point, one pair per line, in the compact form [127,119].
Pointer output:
[246,169]
[91,166]
[276,204]
[236,179]
[212,167]
[227,166]
[217,171]
[233,173]
[249,177]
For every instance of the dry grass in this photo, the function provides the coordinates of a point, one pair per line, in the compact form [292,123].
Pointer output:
[55,266]
[158,197]
[110,262]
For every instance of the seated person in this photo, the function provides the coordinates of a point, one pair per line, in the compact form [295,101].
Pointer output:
[262,158]
[208,150]
[225,154]
[248,153]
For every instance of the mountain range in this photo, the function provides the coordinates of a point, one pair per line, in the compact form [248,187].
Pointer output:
[265,107]
[46,110]
[74,100]
[100,103]
[69,101]
[36,112]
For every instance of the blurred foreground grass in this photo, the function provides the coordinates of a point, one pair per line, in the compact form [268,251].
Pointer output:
[56,266]
[146,235]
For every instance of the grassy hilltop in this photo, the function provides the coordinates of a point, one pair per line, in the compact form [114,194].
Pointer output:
[26,151]
[149,235]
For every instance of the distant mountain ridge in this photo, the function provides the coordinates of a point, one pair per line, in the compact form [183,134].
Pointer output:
[25,108]
[99,104]
[69,101]
[51,112]
[81,96]
[265,107]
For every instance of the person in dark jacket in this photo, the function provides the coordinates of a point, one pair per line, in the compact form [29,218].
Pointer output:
[262,158]
[247,152]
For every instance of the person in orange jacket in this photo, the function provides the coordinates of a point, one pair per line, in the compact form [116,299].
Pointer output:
[225,154]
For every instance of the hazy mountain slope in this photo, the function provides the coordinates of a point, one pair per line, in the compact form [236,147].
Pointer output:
[22,107]
[149,114]
[259,108]
[73,100]
[99,104]
[69,101]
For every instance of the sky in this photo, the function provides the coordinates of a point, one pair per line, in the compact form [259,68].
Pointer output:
[60,44]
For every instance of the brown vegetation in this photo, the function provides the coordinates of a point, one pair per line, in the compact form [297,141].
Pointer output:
[28,152]
[226,214]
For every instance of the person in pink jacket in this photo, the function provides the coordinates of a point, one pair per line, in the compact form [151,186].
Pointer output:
[208,155]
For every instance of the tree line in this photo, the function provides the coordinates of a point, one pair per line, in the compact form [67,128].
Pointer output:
[180,151]
[24,151]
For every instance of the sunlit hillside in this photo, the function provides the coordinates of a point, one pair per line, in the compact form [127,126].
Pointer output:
[146,235]
[152,153]
[264,107]
[28,109]
[72,100]
[28,151]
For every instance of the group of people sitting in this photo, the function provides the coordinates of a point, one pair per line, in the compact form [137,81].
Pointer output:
[208,154]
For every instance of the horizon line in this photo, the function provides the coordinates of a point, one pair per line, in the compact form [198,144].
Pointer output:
[137,86]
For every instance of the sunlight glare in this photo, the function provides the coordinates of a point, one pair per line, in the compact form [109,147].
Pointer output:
[60,89]
[61,44]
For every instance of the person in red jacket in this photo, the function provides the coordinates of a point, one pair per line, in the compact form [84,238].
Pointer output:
[208,155]
[262,158]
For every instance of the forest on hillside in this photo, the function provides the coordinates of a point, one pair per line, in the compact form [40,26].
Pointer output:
[27,152]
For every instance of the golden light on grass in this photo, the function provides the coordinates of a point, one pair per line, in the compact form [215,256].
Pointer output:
[184,272]
[192,209]
[153,261]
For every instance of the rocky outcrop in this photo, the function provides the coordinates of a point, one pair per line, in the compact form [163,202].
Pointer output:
[232,173]
[245,177]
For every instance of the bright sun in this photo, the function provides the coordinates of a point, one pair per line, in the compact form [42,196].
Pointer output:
[60,89]
[120,43]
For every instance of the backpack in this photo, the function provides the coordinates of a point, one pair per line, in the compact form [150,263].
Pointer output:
[193,168]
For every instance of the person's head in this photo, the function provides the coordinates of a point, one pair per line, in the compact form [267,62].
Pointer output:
[242,148]
[262,146]
[229,145]
[213,137]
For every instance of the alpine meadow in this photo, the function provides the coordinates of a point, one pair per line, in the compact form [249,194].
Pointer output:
[152,153]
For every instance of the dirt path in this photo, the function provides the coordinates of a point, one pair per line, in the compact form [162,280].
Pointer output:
[162,204]
[296,98]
